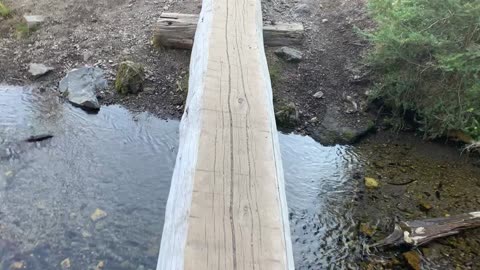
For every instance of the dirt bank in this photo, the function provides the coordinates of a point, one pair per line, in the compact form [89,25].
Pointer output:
[104,33]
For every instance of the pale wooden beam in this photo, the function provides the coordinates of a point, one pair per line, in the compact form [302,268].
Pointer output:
[176,30]
[227,207]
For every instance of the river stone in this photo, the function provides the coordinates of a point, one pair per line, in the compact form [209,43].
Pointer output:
[371,183]
[66,264]
[335,130]
[98,214]
[17,265]
[38,70]
[289,54]
[80,86]
[318,94]
[413,260]
[130,78]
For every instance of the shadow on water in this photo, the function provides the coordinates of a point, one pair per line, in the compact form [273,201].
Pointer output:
[121,163]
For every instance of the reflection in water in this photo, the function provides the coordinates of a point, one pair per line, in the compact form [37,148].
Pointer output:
[122,164]
[320,191]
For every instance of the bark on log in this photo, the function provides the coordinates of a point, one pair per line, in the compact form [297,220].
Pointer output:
[176,30]
[227,207]
[418,232]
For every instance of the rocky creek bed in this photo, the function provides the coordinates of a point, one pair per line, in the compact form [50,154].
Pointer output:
[325,94]
[94,193]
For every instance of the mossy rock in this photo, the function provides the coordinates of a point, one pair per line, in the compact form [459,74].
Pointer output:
[286,115]
[130,78]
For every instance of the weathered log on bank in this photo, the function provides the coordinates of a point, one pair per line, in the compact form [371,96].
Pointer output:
[176,30]
[418,232]
[227,207]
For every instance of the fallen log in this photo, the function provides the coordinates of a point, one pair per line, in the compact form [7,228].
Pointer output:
[176,30]
[419,232]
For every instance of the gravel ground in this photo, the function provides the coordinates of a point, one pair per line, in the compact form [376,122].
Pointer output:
[104,33]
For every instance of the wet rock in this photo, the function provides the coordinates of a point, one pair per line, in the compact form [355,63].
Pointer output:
[425,206]
[413,260]
[33,21]
[287,115]
[130,78]
[37,70]
[371,183]
[80,86]
[86,234]
[313,120]
[289,54]
[100,265]
[366,229]
[318,95]
[39,138]
[335,130]
[98,214]
[65,264]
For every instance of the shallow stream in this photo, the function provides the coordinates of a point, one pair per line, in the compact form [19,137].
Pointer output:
[94,195]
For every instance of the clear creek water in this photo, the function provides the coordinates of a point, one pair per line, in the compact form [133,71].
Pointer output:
[120,164]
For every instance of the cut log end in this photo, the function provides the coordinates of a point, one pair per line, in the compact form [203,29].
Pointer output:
[177,31]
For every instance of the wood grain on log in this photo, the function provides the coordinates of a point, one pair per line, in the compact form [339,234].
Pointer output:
[176,30]
[227,207]
[419,232]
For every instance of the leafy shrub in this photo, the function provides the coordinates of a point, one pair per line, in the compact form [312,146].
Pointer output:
[426,54]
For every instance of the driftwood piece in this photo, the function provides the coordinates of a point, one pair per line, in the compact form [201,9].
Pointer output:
[176,30]
[418,232]
[227,207]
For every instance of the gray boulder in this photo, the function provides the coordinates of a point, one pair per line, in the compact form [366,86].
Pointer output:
[80,86]
[289,54]
[334,128]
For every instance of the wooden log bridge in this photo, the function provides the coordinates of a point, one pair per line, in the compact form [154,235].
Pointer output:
[227,207]
[176,30]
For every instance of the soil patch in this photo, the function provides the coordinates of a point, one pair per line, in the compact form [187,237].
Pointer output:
[105,33]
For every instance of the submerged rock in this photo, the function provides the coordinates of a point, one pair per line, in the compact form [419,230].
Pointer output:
[413,260]
[289,54]
[80,86]
[318,94]
[100,265]
[130,78]
[98,214]
[39,138]
[366,229]
[17,265]
[65,264]
[425,206]
[371,182]
[38,70]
